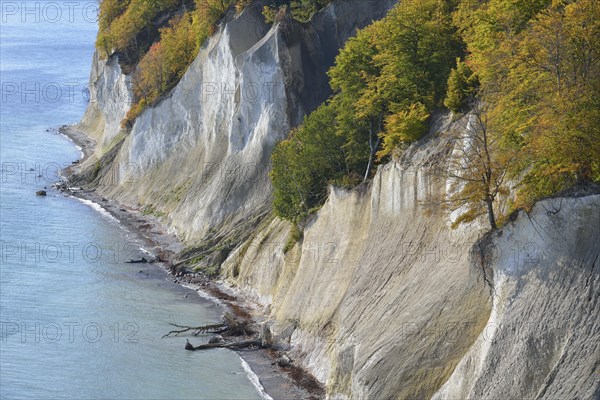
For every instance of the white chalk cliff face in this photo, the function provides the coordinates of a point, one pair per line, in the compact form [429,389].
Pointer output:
[380,299]
[201,156]
[110,99]
[541,341]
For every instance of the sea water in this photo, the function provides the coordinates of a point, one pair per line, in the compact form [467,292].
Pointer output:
[76,321]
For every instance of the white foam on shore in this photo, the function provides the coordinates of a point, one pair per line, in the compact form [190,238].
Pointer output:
[79,148]
[254,379]
[202,294]
[144,250]
[98,208]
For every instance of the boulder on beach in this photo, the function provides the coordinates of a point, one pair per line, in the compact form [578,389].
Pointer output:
[41,193]
[216,339]
[283,361]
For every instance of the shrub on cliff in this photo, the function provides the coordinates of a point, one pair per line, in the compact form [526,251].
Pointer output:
[300,10]
[402,128]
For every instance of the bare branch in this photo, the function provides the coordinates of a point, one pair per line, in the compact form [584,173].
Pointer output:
[196,330]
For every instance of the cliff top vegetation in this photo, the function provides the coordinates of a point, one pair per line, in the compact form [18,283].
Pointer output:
[157,40]
[527,71]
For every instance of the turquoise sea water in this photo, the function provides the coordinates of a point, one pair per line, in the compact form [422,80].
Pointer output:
[77,322]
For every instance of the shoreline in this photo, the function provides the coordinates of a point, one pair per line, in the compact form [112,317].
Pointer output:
[162,247]
[84,143]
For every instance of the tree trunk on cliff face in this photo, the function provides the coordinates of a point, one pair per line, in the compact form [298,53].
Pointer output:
[478,169]
[491,216]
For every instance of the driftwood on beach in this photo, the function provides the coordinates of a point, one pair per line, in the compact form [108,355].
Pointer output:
[233,345]
[196,330]
[140,261]
[230,327]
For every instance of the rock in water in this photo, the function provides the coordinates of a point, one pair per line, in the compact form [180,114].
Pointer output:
[41,193]
[188,345]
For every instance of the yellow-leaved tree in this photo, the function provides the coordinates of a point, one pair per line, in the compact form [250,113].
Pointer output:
[538,63]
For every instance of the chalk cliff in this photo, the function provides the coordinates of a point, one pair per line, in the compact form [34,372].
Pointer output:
[380,299]
[201,156]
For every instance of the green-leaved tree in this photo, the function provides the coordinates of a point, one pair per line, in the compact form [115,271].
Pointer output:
[462,87]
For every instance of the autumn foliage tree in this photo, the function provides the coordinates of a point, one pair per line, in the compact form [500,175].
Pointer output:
[390,68]
[122,22]
[403,127]
[539,65]
[164,64]
[562,137]
[148,77]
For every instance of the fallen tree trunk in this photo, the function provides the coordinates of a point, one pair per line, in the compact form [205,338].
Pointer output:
[232,325]
[234,345]
[216,328]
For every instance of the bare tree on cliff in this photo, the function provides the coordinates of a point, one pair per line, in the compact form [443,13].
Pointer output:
[478,169]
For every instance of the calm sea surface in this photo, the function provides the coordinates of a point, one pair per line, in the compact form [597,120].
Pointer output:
[76,321]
